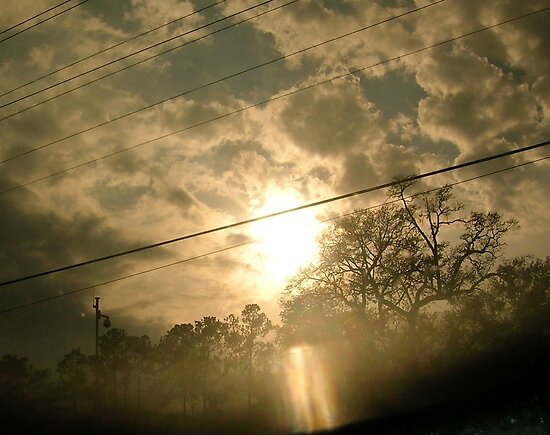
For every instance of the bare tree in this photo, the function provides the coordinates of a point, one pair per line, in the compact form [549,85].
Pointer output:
[394,259]
[351,275]
[430,269]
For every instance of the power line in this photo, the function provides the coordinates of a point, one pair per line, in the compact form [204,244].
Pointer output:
[211,83]
[69,79]
[151,57]
[164,266]
[217,81]
[282,212]
[145,60]
[456,183]
[33,17]
[51,17]
[227,248]
[251,106]
[104,50]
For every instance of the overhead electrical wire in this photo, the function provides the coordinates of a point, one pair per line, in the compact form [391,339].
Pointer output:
[127,56]
[195,40]
[261,103]
[51,17]
[33,17]
[111,281]
[111,47]
[281,212]
[231,247]
[149,58]
[217,81]
[146,59]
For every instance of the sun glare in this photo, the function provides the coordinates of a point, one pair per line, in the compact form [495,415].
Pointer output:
[311,400]
[287,242]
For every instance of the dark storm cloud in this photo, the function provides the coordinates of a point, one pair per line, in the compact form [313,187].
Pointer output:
[320,173]
[394,92]
[380,166]
[180,198]
[332,121]
[34,240]
[23,133]
[472,101]
[358,172]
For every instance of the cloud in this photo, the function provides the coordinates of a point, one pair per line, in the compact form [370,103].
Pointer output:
[333,120]
[471,102]
[118,196]
[20,11]
[152,14]
[180,198]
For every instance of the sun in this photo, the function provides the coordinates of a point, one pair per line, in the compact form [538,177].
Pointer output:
[287,242]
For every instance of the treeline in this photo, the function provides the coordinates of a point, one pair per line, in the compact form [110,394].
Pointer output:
[408,321]
[206,368]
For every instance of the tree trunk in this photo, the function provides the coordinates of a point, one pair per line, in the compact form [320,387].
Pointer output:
[413,341]
[250,381]
[125,388]
[204,392]
[75,408]
[205,374]
[114,385]
[380,324]
[139,390]
[184,409]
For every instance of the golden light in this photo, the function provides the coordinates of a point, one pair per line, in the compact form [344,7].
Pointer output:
[287,242]
[312,404]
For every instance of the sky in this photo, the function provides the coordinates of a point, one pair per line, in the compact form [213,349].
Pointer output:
[329,122]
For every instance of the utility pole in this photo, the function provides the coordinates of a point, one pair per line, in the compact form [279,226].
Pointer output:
[97,317]
[106,324]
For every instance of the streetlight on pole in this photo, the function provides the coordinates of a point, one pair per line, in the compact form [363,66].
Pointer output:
[106,324]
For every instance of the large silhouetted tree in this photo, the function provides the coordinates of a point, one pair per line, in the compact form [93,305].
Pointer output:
[515,306]
[432,268]
[350,278]
[395,259]
[522,285]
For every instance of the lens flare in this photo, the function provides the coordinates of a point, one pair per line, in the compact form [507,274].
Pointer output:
[310,394]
